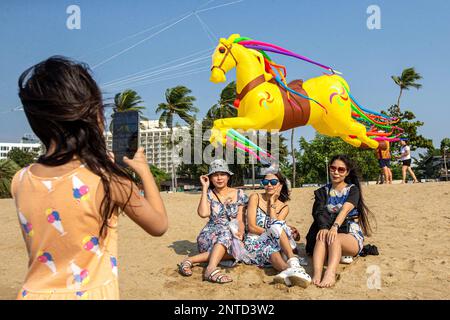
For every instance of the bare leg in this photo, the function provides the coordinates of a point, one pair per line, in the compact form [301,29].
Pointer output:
[198,258]
[345,244]
[411,172]
[285,245]
[404,168]
[217,254]
[277,262]
[320,252]
[204,257]
[387,175]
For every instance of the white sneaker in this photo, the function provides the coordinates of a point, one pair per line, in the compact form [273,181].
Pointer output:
[298,277]
[282,277]
[346,259]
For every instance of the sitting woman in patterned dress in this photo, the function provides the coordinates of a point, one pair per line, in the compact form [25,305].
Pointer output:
[222,205]
[340,221]
[268,238]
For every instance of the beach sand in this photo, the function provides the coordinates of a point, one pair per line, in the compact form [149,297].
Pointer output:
[412,236]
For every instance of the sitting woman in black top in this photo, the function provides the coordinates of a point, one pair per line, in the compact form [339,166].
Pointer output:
[340,221]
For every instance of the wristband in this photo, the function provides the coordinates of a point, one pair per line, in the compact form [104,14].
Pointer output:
[336,225]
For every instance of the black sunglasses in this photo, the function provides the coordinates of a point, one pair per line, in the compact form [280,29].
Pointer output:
[266,182]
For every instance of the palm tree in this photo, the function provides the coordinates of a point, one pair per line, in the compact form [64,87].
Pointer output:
[7,170]
[127,100]
[224,107]
[178,103]
[406,81]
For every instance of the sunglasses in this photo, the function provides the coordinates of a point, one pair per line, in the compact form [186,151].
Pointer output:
[266,182]
[341,170]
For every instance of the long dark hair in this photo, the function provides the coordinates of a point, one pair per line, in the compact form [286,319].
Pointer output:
[353,178]
[64,107]
[284,193]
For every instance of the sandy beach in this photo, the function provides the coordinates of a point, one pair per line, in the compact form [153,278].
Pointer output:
[412,236]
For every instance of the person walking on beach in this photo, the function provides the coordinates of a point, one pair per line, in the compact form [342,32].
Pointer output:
[268,239]
[405,157]
[340,221]
[67,203]
[384,161]
[224,206]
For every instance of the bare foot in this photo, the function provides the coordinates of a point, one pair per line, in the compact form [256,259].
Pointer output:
[316,279]
[329,279]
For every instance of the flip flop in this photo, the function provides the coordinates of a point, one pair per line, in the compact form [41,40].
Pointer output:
[217,277]
[185,268]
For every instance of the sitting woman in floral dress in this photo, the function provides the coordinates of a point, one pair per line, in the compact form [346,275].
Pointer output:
[269,241]
[222,205]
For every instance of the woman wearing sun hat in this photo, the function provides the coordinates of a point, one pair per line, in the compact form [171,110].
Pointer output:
[221,204]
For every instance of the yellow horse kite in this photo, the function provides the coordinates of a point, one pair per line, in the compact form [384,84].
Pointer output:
[263,102]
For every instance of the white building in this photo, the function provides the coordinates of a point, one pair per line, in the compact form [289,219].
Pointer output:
[6,147]
[153,138]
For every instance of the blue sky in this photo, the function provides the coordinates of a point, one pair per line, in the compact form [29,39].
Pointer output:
[413,33]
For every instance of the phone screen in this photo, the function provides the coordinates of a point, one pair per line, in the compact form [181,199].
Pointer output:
[125,135]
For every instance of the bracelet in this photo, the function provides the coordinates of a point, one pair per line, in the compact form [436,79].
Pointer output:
[336,225]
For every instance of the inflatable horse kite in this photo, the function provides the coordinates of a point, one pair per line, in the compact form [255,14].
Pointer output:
[265,101]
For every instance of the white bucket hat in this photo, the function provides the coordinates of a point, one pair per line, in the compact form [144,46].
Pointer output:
[219,165]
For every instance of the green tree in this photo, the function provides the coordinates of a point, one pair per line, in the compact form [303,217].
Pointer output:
[179,103]
[406,81]
[410,126]
[224,107]
[159,175]
[425,167]
[127,100]
[313,157]
[21,157]
[8,169]
[445,144]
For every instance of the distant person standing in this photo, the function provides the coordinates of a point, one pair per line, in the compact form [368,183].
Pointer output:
[384,161]
[405,157]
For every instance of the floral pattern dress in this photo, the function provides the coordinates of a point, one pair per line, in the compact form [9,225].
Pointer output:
[217,230]
[261,247]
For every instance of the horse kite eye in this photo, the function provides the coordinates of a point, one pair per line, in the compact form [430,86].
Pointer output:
[222,50]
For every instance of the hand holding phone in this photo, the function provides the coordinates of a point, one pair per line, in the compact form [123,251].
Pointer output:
[138,163]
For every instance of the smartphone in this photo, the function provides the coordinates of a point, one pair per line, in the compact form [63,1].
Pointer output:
[125,135]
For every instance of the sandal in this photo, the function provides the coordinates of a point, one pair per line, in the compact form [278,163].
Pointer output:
[185,268]
[217,277]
